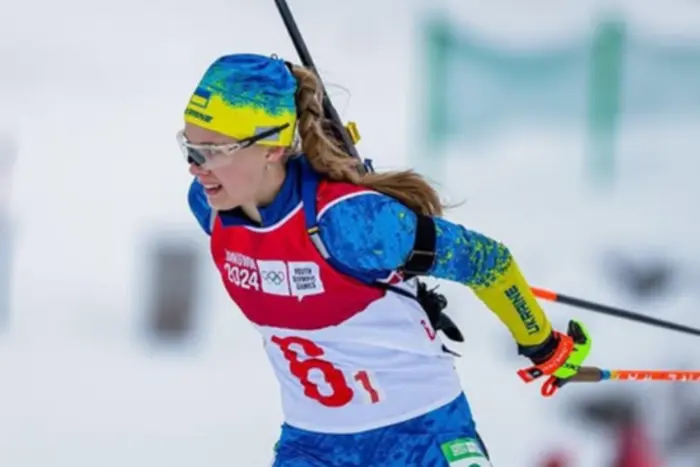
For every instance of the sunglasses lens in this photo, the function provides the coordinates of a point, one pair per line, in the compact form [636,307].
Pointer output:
[195,157]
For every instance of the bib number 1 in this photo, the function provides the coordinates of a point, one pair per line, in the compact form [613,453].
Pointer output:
[304,357]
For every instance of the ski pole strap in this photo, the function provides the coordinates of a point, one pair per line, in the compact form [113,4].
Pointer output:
[422,257]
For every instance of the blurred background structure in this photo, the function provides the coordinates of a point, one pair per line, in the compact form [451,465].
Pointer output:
[8,154]
[569,130]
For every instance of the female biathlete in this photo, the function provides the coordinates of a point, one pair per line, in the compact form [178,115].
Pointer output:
[321,256]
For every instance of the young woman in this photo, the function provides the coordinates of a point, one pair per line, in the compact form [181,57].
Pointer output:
[313,250]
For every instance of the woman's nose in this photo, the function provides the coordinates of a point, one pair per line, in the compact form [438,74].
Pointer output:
[197,170]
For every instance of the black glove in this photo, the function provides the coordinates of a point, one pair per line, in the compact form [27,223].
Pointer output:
[434,305]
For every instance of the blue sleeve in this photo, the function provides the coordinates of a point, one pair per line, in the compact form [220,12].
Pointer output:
[373,234]
[199,206]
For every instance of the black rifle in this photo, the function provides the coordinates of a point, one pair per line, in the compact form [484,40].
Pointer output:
[432,302]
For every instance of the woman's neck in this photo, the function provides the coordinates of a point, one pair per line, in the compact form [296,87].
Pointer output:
[271,185]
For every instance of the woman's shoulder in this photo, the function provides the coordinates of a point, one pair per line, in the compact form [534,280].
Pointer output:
[368,230]
[199,206]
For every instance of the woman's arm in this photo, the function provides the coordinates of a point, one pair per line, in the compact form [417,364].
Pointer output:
[373,234]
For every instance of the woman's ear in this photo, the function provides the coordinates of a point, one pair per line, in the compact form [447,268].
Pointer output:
[275,154]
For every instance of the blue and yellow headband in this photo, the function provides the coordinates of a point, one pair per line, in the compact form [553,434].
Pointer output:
[243,95]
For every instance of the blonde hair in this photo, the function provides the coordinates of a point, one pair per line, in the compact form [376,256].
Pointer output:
[327,157]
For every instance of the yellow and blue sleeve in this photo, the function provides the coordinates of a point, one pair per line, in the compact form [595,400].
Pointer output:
[374,234]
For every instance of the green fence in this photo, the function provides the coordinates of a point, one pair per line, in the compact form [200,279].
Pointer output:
[474,87]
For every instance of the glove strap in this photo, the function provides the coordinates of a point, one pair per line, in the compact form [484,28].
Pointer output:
[552,385]
[553,363]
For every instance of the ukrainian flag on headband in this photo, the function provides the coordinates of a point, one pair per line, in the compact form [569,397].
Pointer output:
[242,95]
[200,98]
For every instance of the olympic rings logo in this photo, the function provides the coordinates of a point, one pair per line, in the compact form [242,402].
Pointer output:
[273,277]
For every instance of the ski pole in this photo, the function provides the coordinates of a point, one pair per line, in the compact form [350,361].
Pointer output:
[551,296]
[596,375]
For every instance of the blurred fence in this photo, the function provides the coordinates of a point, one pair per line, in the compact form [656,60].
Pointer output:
[596,82]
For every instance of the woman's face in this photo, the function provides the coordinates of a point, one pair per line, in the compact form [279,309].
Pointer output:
[233,178]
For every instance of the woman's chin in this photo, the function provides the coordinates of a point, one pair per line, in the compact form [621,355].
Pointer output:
[222,202]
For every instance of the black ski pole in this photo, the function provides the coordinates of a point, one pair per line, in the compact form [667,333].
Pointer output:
[612,311]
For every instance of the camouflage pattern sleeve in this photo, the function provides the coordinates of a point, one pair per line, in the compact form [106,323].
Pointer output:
[199,206]
[373,234]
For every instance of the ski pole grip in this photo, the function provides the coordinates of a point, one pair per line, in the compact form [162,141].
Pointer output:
[587,374]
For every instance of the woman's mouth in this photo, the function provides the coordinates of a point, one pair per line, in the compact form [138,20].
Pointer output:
[211,189]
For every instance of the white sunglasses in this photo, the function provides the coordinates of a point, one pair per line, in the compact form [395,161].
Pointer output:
[217,155]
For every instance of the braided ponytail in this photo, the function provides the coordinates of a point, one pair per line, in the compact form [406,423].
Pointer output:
[328,158]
